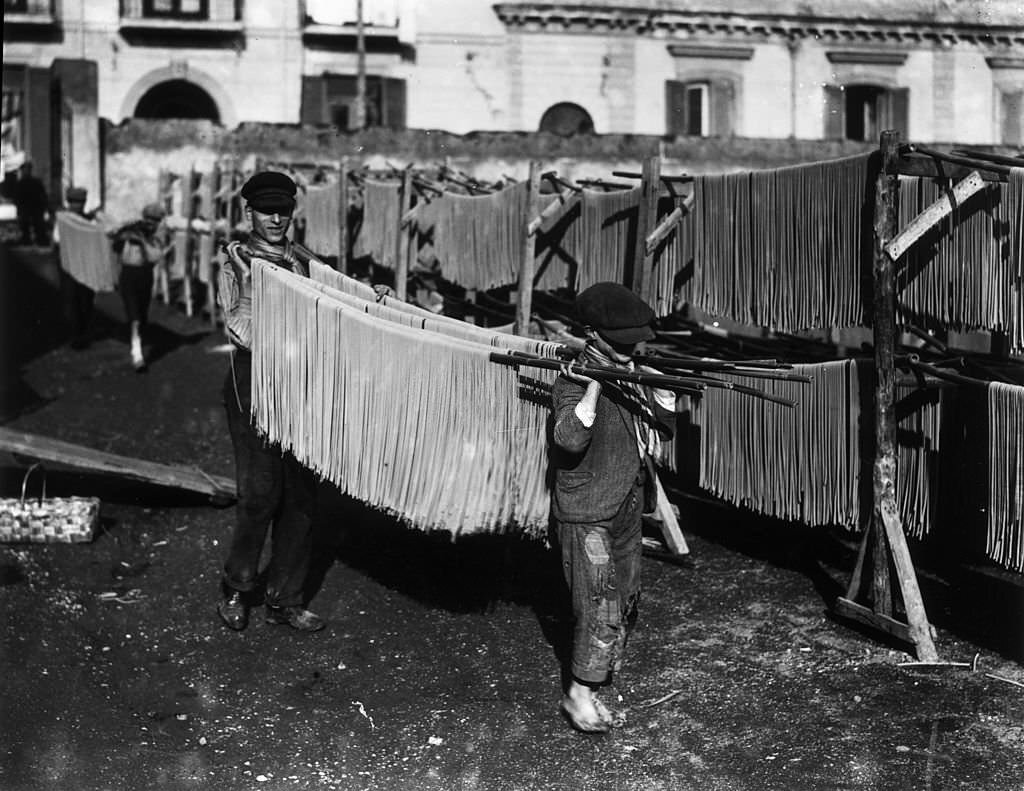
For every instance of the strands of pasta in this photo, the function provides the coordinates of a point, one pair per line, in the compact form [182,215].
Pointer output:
[1005,539]
[608,230]
[799,464]
[918,446]
[365,299]
[781,248]
[321,210]
[478,239]
[377,234]
[961,275]
[85,252]
[1015,211]
[439,436]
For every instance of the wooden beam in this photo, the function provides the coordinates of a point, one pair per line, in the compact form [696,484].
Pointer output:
[527,264]
[401,242]
[647,212]
[667,226]
[173,476]
[553,212]
[884,530]
[940,209]
[343,215]
[673,536]
[928,167]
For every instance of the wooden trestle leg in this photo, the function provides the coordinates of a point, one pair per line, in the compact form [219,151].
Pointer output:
[884,536]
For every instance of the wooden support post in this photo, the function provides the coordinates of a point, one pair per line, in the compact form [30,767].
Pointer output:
[471,317]
[885,532]
[669,524]
[401,242]
[646,218]
[527,264]
[343,215]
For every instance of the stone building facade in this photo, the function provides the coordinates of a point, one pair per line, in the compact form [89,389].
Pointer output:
[938,70]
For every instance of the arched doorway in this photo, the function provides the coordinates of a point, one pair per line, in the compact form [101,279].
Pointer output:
[177,99]
[567,119]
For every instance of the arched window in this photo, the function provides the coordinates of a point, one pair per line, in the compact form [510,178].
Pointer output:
[177,99]
[863,111]
[567,119]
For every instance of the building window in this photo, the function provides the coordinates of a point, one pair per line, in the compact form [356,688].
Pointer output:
[699,108]
[186,9]
[863,112]
[1011,117]
[567,119]
[331,99]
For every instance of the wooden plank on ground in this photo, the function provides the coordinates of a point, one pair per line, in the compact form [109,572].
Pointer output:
[175,476]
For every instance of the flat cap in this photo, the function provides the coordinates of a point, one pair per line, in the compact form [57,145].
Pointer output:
[74,194]
[153,211]
[270,191]
[617,314]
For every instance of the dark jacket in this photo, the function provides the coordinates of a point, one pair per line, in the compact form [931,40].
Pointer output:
[595,467]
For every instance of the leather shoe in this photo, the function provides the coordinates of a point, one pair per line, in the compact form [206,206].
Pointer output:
[234,611]
[296,617]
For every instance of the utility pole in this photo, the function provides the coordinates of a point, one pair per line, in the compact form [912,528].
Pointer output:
[360,119]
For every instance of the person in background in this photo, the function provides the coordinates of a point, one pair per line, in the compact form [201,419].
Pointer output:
[602,435]
[78,298]
[33,204]
[275,492]
[139,246]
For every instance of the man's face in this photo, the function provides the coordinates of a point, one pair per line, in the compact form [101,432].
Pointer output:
[619,352]
[76,206]
[270,226]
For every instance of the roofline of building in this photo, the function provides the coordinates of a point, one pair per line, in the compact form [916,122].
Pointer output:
[575,18]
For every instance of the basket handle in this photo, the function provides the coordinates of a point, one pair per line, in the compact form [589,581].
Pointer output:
[24,483]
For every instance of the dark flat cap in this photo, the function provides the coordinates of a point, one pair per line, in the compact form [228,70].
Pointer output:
[617,314]
[76,194]
[153,211]
[270,191]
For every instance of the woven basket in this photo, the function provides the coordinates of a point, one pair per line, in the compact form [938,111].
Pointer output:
[49,519]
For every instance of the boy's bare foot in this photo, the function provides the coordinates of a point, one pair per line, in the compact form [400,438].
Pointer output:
[584,711]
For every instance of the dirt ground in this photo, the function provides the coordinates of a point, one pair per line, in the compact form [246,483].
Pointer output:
[440,665]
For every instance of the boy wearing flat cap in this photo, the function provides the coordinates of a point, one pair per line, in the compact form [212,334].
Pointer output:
[275,492]
[601,437]
[140,246]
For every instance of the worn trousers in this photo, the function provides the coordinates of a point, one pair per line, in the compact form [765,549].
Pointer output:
[136,287]
[275,493]
[601,563]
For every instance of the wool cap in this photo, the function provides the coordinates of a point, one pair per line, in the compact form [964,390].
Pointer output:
[270,191]
[617,314]
[153,211]
[74,194]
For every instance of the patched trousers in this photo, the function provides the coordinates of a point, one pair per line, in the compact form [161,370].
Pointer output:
[601,563]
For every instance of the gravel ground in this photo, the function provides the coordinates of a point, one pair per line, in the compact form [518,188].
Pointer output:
[440,665]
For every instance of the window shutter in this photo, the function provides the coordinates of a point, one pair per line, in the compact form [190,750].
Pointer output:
[313,108]
[899,111]
[675,107]
[1012,114]
[835,112]
[721,103]
[394,103]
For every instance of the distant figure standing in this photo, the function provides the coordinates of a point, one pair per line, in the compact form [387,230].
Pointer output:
[33,204]
[78,297]
[139,247]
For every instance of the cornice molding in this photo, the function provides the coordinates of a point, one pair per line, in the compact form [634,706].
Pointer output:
[868,57]
[1005,63]
[710,51]
[577,18]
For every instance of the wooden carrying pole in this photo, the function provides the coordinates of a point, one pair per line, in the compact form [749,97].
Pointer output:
[884,539]
[527,264]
